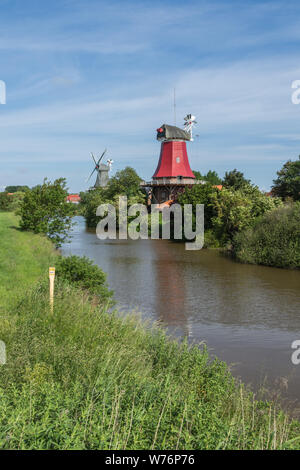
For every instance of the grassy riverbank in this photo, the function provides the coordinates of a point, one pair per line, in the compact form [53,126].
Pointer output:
[23,258]
[81,378]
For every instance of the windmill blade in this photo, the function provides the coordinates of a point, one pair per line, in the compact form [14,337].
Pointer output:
[91,174]
[93,158]
[102,156]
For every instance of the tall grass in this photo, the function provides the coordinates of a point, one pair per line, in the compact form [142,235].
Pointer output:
[82,378]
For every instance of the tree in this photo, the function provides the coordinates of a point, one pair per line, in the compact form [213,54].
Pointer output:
[201,194]
[89,203]
[288,182]
[15,189]
[198,175]
[91,200]
[45,210]
[238,210]
[233,214]
[235,180]
[211,177]
[125,182]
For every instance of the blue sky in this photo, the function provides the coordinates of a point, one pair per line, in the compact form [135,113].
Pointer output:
[82,75]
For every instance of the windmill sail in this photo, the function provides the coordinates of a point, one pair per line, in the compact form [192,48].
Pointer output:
[102,172]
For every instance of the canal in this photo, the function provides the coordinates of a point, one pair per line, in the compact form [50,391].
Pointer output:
[247,315]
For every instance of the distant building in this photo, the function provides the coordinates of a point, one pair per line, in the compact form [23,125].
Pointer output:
[74,198]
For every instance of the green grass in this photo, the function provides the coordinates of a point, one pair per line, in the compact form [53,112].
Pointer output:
[23,258]
[82,378]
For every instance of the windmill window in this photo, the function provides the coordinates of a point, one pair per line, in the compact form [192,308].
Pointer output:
[178,160]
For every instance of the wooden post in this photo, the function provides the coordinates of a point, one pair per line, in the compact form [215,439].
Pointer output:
[51,278]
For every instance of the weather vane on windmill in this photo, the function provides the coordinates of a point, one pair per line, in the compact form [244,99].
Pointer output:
[189,122]
[102,171]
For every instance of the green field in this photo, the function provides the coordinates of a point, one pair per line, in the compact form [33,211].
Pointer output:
[82,378]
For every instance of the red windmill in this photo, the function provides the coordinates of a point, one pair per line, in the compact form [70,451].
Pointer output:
[173,171]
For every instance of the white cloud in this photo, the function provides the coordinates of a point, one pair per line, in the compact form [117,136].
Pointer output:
[119,66]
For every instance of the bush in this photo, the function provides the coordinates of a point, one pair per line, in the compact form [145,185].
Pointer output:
[45,210]
[274,240]
[93,199]
[84,274]
[238,210]
[89,203]
[11,202]
[201,194]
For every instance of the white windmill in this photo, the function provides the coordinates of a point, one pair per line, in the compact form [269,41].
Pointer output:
[189,123]
[110,163]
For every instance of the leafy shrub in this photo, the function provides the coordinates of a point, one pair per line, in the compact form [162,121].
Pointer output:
[228,211]
[83,273]
[238,210]
[93,199]
[201,194]
[210,239]
[274,240]
[4,202]
[11,202]
[45,210]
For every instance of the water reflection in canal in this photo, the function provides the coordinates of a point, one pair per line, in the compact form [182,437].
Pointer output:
[247,315]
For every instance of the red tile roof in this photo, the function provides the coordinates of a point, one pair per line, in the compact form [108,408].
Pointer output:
[73,198]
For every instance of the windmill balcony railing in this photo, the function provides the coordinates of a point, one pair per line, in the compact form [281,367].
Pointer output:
[172,181]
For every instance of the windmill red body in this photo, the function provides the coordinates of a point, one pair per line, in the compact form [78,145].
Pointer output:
[173,173]
[173,161]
